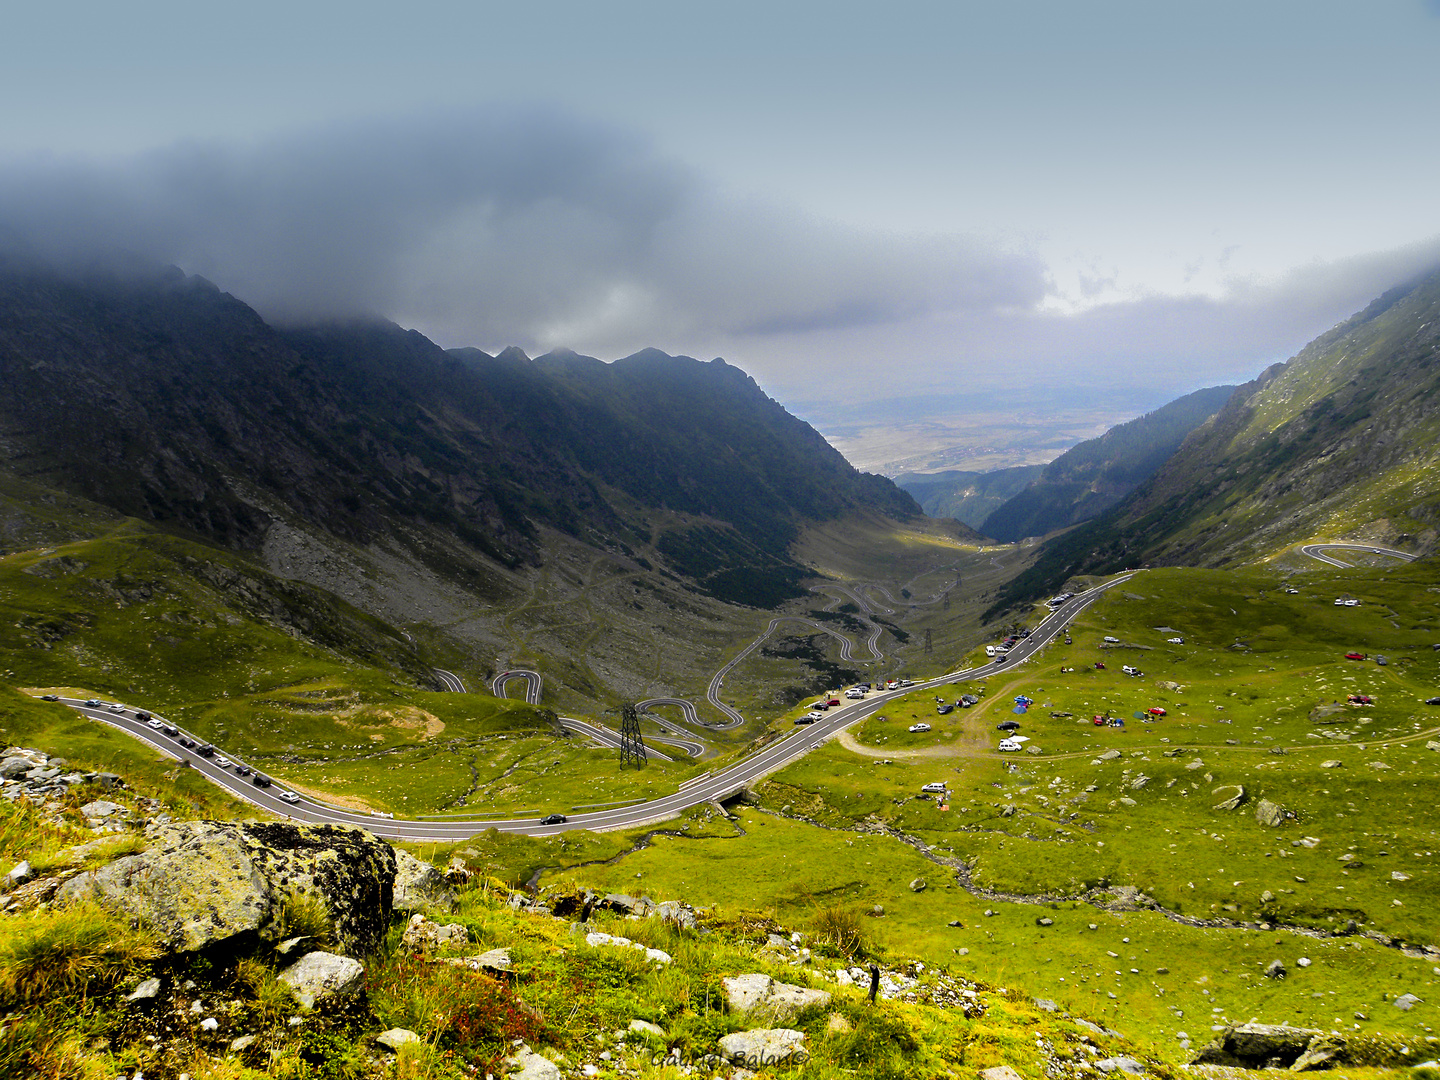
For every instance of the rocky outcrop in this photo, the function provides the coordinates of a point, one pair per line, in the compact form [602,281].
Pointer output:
[317,976]
[760,995]
[764,1046]
[1269,1046]
[418,885]
[1272,814]
[423,936]
[205,882]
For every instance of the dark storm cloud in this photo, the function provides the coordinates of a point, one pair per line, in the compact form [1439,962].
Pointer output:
[501,225]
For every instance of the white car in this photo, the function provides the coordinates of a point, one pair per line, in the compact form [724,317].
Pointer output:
[855,693]
[1175,641]
[989,650]
[1112,640]
[223,762]
[1127,669]
[919,727]
[156,724]
[938,785]
[116,707]
[289,796]
[1008,746]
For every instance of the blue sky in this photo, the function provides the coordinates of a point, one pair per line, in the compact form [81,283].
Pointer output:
[851,201]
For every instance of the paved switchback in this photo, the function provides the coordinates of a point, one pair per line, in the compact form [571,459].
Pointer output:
[713,786]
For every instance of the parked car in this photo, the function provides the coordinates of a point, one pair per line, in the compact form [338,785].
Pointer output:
[1008,725]
[1382,661]
[944,710]
[553,819]
[919,727]
[834,701]
[1432,701]
[821,705]
[1355,656]
[1175,641]
[1008,746]
[937,785]
[1112,640]
[808,718]
[1157,711]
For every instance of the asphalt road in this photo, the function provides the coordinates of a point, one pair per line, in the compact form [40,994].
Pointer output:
[532,679]
[452,682]
[1317,551]
[715,786]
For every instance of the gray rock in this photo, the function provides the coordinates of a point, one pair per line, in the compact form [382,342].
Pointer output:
[1432,745]
[13,768]
[999,1072]
[1110,755]
[145,991]
[202,882]
[528,1065]
[396,1038]
[1332,764]
[763,1046]
[320,975]
[677,912]
[1045,920]
[917,885]
[496,960]
[647,1028]
[422,935]
[1271,814]
[100,808]
[1275,970]
[626,905]
[1231,796]
[1046,1005]
[1120,1064]
[1406,1002]
[418,885]
[242,1043]
[1253,1045]
[19,874]
[761,995]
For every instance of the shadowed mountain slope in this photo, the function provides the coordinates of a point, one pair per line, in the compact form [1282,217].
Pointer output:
[164,398]
[1094,475]
[1339,442]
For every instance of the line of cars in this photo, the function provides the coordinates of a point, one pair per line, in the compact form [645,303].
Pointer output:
[201,748]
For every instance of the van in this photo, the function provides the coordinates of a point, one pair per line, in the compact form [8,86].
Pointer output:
[1008,746]
[989,650]
[938,785]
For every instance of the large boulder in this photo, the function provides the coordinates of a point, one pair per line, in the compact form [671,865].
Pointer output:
[203,882]
[760,995]
[423,936]
[764,1046]
[419,886]
[1271,814]
[1256,1046]
[320,975]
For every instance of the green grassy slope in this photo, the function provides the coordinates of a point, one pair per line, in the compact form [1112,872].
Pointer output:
[1188,902]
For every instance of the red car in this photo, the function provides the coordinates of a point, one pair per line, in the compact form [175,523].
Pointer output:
[1354,656]
[1099,665]
[1157,711]
[834,701]
[1100,721]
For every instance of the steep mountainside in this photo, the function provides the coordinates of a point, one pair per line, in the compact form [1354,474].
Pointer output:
[1339,442]
[966,496]
[1094,475]
[166,399]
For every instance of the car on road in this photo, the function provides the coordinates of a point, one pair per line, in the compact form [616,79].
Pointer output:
[907,682]
[153,723]
[223,762]
[289,796]
[116,707]
[260,780]
[170,729]
[185,740]
[919,727]
[205,750]
[93,703]
[1001,659]
[553,819]
[49,697]
[141,714]
[242,770]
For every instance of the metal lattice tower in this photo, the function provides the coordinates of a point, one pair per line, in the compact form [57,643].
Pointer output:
[928,646]
[632,747]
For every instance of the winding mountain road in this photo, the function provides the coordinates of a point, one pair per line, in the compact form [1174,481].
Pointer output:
[532,679]
[1317,551]
[712,787]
